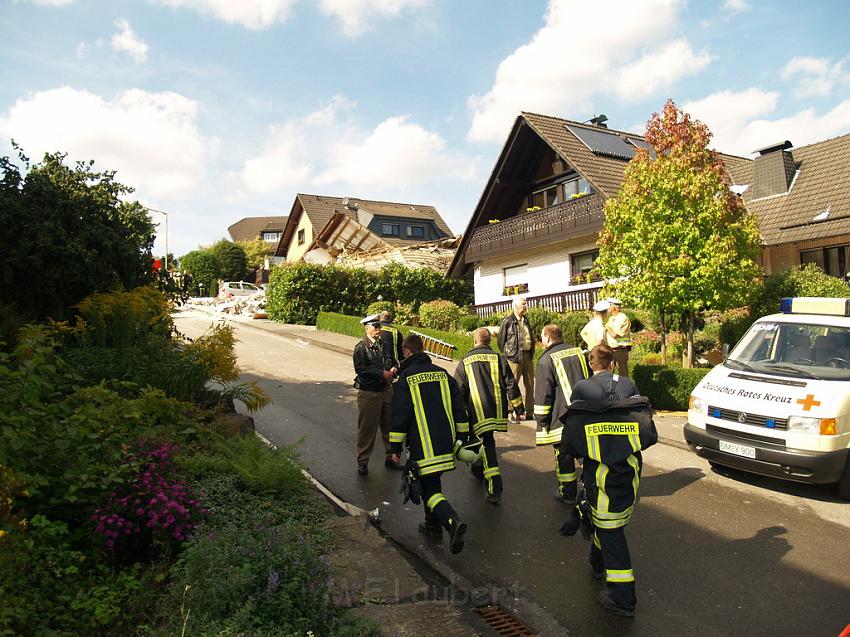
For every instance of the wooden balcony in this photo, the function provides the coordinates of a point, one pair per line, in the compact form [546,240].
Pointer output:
[568,301]
[574,218]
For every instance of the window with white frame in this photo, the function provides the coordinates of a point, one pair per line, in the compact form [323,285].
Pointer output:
[271,236]
[516,279]
[581,265]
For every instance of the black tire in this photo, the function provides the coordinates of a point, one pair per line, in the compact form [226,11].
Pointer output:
[844,483]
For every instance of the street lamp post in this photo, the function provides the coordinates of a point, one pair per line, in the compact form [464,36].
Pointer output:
[162,212]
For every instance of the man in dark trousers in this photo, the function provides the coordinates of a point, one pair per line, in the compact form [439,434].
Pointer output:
[428,416]
[390,339]
[516,342]
[487,386]
[374,395]
[558,370]
[608,424]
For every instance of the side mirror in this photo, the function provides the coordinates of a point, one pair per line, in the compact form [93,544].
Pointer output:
[725,350]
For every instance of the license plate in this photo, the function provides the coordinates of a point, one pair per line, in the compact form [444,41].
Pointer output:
[738,450]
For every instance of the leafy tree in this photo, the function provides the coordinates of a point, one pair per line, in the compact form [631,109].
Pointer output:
[67,234]
[676,239]
[202,265]
[256,251]
[232,261]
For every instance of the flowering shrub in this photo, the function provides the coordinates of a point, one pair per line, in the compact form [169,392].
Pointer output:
[440,315]
[153,509]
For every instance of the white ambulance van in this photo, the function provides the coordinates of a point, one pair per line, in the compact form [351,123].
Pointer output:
[779,404]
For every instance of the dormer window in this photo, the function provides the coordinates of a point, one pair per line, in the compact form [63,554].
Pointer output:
[390,229]
[416,232]
[271,236]
[564,190]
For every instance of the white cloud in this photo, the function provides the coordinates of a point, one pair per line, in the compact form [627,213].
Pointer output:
[82,48]
[579,54]
[251,14]
[50,3]
[151,139]
[396,152]
[735,6]
[126,41]
[652,72]
[815,77]
[740,121]
[326,150]
[356,16]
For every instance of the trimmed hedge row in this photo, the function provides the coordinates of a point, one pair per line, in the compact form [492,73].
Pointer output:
[667,387]
[350,325]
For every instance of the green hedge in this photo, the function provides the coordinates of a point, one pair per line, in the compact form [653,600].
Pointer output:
[350,325]
[667,387]
[299,291]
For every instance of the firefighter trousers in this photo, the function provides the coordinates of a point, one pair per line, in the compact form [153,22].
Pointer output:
[609,552]
[438,511]
[565,471]
[488,466]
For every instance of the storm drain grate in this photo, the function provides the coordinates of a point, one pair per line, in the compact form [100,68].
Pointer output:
[503,622]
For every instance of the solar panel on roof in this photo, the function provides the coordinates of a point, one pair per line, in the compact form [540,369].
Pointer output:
[603,143]
[642,144]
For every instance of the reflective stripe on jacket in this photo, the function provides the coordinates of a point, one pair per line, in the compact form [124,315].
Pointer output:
[487,384]
[610,437]
[428,414]
[558,370]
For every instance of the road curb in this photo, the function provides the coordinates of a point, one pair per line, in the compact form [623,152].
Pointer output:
[529,612]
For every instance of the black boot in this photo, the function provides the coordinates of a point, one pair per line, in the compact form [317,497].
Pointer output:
[457,531]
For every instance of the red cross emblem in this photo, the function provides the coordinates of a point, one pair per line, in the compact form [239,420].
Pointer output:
[808,402]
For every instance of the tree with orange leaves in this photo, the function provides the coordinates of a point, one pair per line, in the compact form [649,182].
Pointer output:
[676,239]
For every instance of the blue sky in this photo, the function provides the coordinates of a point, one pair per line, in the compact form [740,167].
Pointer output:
[219,109]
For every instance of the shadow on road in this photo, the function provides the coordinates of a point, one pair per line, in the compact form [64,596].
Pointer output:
[819,492]
[708,558]
[666,484]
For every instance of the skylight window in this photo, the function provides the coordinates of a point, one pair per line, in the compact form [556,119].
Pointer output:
[821,216]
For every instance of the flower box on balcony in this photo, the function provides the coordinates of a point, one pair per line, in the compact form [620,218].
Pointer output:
[513,290]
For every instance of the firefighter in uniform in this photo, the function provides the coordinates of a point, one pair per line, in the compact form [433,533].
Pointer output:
[429,415]
[558,370]
[608,424]
[487,385]
[390,339]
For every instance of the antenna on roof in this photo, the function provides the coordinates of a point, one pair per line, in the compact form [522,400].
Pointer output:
[599,120]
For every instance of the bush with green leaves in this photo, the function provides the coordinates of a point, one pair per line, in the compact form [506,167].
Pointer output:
[49,586]
[299,291]
[350,325]
[380,306]
[440,315]
[469,322]
[268,581]
[807,280]
[667,387]
[67,232]
[231,259]
[203,266]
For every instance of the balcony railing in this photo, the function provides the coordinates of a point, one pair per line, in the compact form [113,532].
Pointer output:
[569,301]
[574,218]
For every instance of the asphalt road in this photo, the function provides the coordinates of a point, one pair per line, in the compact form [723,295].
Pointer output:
[714,553]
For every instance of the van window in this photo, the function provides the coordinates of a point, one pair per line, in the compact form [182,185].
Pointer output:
[794,349]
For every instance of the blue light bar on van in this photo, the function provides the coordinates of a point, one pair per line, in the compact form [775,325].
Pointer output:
[815,305]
